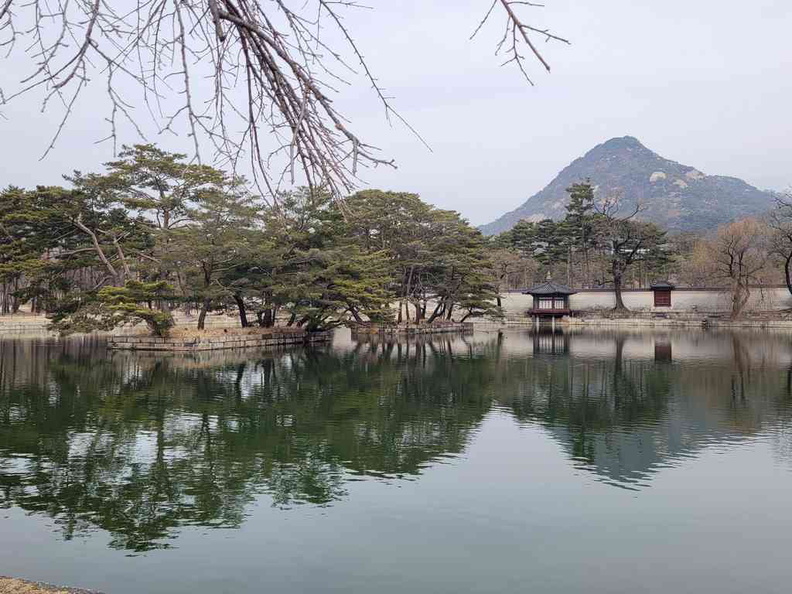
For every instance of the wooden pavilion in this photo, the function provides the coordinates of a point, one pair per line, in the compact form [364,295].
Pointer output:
[550,301]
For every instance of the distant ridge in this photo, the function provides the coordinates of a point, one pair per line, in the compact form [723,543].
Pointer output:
[675,196]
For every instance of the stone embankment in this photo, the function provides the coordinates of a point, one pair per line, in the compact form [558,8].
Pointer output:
[23,323]
[38,323]
[16,586]
[751,319]
[411,329]
[638,319]
[195,341]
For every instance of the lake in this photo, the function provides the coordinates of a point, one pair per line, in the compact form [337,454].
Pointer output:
[589,461]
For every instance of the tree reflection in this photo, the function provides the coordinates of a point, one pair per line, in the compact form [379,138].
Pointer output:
[625,417]
[139,445]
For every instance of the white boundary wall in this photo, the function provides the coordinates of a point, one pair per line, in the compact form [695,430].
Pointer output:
[682,300]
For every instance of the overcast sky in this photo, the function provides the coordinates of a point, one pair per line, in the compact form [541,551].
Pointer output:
[704,82]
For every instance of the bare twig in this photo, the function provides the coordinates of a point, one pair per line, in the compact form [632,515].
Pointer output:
[271,69]
[517,32]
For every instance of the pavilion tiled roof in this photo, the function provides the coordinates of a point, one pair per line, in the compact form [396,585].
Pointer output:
[550,288]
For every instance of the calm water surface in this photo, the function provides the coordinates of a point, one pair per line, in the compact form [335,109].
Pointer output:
[598,462]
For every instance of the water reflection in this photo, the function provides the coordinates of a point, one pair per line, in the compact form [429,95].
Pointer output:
[626,405]
[140,445]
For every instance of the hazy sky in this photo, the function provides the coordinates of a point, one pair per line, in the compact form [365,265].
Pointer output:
[704,82]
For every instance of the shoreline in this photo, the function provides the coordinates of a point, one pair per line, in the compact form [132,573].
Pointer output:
[38,324]
[236,338]
[9,585]
[30,326]
[702,322]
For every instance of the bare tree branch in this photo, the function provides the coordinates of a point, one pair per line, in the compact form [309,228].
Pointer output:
[254,79]
[516,33]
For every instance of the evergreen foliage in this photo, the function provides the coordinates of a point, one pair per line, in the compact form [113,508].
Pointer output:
[592,245]
[153,232]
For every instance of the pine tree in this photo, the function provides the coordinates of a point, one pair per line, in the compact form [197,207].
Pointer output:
[578,228]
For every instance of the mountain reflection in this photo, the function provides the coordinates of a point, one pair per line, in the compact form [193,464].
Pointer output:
[625,405]
[139,445]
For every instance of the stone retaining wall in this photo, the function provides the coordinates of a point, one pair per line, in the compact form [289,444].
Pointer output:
[22,327]
[23,323]
[636,321]
[15,323]
[217,342]
[411,329]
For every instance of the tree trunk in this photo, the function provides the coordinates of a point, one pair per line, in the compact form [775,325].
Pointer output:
[586,268]
[450,311]
[266,318]
[788,272]
[617,289]
[15,301]
[437,311]
[740,295]
[407,292]
[205,304]
[242,312]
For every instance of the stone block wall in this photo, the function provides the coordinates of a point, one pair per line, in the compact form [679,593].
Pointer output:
[214,342]
[412,329]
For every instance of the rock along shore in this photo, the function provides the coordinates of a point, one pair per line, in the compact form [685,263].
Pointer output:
[16,586]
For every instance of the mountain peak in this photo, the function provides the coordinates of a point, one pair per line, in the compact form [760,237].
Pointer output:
[620,145]
[675,196]
[621,142]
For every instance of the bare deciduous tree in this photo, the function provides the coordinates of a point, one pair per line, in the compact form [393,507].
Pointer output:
[740,255]
[780,222]
[255,79]
[625,241]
